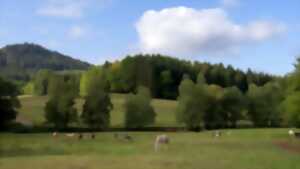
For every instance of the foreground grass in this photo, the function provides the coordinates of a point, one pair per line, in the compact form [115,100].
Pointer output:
[32,110]
[237,149]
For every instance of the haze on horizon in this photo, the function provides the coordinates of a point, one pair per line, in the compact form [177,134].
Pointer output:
[260,35]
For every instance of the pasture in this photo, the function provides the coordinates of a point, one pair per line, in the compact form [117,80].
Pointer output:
[236,149]
[32,110]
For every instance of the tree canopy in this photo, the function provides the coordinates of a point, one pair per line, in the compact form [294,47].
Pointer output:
[291,103]
[8,102]
[60,109]
[97,106]
[163,75]
[138,109]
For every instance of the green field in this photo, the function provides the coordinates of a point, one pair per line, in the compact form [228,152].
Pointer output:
[236,149]
[32,110]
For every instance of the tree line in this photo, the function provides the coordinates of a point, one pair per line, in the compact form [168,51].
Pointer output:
[209,96]
[200,105]
[210,106]
[60,111]
[161,74]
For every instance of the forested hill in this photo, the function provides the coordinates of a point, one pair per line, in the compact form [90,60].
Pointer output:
[163,74]
[20,61]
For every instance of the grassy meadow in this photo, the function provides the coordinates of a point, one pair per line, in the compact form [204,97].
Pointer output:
[236,149]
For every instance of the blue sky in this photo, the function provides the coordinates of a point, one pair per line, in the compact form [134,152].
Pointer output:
[261,35]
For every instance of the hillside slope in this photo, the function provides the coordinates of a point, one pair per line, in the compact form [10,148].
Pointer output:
[20,61]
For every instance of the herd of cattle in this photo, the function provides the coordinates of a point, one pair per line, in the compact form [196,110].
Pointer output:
[160,140]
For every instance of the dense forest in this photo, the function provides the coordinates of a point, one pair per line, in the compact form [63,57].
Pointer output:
[21,61]
[163,74]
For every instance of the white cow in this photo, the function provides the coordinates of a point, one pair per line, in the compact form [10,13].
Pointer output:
[291,133]
[217,133]
[70,134]
[54,134]
[160,140]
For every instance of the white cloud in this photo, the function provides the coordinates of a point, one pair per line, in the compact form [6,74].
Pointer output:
[63,8]
[261,30]
[69,8]
[187,31]
[230,3]
[77,32]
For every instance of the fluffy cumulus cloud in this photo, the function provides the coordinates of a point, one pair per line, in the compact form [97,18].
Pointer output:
[187,31]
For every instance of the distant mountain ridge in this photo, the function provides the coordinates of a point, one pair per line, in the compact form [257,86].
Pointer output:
[20,61]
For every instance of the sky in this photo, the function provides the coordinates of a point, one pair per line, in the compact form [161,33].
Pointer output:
[256,34]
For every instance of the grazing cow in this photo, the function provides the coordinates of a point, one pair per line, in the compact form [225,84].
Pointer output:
[80,136]
[291,133]
[128,137]
[93,135]
[217,133]
[70,135]
[161,140]
[54,134]
[123,136]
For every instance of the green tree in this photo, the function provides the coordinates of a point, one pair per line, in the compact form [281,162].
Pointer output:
[213,115]
[192,103]
[291,103]
[59,109]
[93,74]
[41,80]
[28,88]
[8,102]
[233,103]
[115,78]
[210,106]
[201,79]
[136,71]
[55,81]
[73,81]
[264,104]
[97,106]
[166,82]
[138,109]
